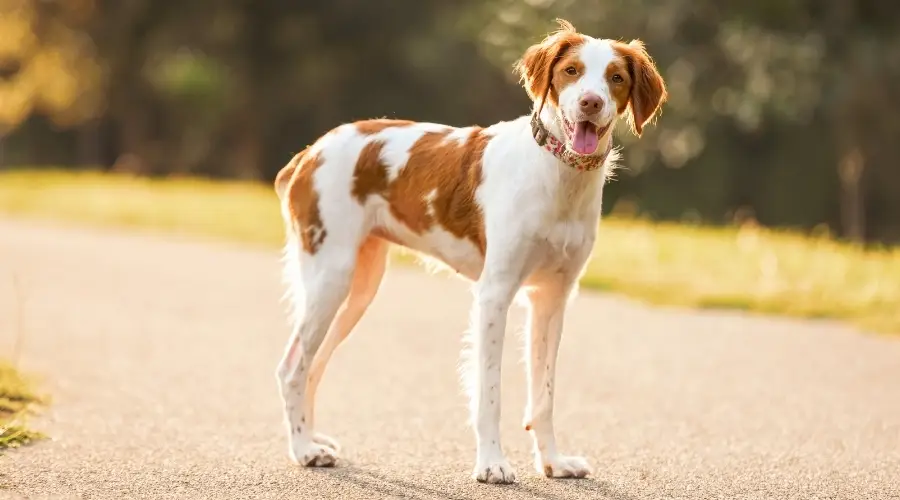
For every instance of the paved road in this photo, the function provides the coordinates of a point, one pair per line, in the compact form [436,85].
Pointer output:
[160,356]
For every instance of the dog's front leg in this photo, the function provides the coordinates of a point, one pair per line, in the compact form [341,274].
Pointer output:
[494,293]
[544,330]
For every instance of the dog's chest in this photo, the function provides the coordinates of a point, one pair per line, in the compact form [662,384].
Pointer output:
[562,245]
[568,234]
[569,225]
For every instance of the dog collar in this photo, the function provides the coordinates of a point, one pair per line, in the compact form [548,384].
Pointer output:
[558,148]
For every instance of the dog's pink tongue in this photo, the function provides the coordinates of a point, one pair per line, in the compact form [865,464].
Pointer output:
[585,140]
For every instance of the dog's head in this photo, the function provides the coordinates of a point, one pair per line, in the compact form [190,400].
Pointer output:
[588,83]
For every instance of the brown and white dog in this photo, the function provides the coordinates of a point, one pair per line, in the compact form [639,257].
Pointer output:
[514,206]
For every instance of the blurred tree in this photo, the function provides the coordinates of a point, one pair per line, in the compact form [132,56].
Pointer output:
[779,108]
[47,63]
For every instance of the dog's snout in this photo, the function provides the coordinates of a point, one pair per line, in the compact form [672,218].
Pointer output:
[591,103]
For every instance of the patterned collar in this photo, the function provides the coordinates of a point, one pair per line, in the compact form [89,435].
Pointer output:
[558,148]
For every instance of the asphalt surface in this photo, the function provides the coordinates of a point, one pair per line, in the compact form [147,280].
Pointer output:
[160,356]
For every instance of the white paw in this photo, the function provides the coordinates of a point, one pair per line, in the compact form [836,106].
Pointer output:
[494,472]
[563,466]
[326,441]
[314,454]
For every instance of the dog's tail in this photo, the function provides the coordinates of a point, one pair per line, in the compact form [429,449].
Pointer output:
[290,259]
[283,179]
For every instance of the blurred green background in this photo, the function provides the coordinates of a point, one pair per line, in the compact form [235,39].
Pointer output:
[781,111]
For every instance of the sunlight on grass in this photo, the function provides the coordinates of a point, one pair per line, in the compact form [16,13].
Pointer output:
[749,268]
[746,268]
[15,399]
[230,210]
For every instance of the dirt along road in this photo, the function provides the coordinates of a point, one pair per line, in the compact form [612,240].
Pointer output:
[160,354]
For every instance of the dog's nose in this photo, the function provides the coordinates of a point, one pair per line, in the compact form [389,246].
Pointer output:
[591,103]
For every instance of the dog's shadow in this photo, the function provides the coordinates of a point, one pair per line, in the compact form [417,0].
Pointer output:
[545,489]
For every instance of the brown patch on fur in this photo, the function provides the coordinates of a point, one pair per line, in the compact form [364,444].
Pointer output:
[370,174]
[452,171]
[548,470]
[561,77]
[527,427]
[369,127]
[621,91]
[541,69]
[648,90]
[303,200]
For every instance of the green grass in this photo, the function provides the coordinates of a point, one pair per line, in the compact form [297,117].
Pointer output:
[747,268]
[16,398]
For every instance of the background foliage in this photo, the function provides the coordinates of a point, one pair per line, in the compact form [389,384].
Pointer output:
[780,110]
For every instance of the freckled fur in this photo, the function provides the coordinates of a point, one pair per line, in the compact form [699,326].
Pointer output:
[489,203]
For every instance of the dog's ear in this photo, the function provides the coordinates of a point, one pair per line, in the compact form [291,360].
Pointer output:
[535,68]
[648,90]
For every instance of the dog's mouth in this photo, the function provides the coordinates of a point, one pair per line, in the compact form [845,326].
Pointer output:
[584,136]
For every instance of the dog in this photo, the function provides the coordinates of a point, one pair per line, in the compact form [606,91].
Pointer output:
[511,207]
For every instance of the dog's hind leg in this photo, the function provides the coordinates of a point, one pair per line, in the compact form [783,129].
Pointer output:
[324,242]
[371,263]
[326,281]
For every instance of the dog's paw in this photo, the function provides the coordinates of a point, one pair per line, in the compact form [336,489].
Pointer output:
[314,454]
[563,466]
[494,472]
[326,441]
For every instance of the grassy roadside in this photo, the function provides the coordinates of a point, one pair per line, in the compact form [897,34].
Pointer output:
[747,268]
[15,399]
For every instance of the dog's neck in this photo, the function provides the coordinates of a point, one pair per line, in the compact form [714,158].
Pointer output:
[551,120]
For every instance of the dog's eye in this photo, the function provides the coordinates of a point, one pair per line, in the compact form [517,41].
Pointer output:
[571,71]
[617,79]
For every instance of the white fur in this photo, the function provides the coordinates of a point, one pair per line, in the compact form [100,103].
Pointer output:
[596,55]
[540,220]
